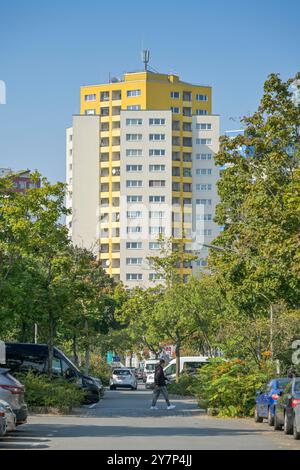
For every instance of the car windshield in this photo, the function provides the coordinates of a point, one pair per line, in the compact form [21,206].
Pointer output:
[121,372]
[281,383]
[150,367]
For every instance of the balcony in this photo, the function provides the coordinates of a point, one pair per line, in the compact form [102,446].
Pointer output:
[104,126]
[116,125]
[104,111]
[116,95]
[104,96]
[187,112]
[104,157]
[115,171]
[116,156]
[176,125]
[104,142]
[116,141]
[187,96]
[116,110]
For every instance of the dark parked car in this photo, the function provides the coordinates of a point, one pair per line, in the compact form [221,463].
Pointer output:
[286,405]
[266,399]
[24,357]
[12,392]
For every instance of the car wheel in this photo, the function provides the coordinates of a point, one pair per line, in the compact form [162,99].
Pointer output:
[277,424]
[257,418]
[296,433]
[270,417]
[287,426]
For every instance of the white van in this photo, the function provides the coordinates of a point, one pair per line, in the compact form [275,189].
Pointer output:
[188,363]
[149,368]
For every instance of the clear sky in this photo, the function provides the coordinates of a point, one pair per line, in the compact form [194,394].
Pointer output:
[48,49]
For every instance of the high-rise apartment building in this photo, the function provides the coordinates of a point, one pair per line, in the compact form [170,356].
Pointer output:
[140,163]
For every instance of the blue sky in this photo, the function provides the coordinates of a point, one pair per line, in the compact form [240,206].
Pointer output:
[48,49]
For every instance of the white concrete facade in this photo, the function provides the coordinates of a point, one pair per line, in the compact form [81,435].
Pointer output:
[206,133]
[151,214]
[83,181]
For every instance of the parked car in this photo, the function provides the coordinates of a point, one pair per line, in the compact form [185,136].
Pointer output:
[188,364]
[11,421]
[266,399]
[24,357]
[133,370]
[3,425]
[286,405]
[12,392]
[123,378]
[99,383]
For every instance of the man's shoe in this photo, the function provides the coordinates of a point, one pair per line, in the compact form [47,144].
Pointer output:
[153,408]
[171,407]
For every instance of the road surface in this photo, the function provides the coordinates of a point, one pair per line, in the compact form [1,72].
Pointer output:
[123,421]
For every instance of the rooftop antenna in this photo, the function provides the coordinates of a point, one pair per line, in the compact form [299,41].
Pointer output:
[146,58]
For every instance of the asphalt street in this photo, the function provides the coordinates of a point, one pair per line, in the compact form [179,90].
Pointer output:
[123,420]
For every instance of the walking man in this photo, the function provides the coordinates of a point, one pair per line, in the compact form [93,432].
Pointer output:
[160,386]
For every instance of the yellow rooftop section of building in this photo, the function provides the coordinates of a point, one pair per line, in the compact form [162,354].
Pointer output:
[155,92]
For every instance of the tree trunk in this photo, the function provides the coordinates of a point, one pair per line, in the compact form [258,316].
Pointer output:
[74,347]
[177,353]
[87,349]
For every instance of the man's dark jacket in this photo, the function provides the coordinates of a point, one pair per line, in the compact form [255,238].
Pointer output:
[159,376]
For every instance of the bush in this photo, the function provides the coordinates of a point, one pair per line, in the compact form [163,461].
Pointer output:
[45,392]
[184,387]
[230,386]
[100,369]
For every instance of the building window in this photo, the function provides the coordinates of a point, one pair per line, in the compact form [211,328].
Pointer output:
[201,112]
[134,261]
[187,142]
[187,126]
[157,122]
[203,187]
[187,157]
[135,229]
[203,141]
[134,122]
[135,198]
[134,245]
[157,183]
[205,217]
[175,110]
[175,171]
[187,172]
[157,153]
[175,95]
[134,183]
[104,96]
[134,153]
[203,171]
[153,168]
[157,230]
[90,112]
[203,156]
[176,140]
[157,137]
[187,96]
[90,97]
[203,202]
[131,93]
[134,214]
[201,97]
[154,246]
[204,126]
[133,137]
[187,111]
[134,107]
[156,215]
[175,186]
[134,167]
[134,277]
[104,111]
[157,199]
[187,187]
